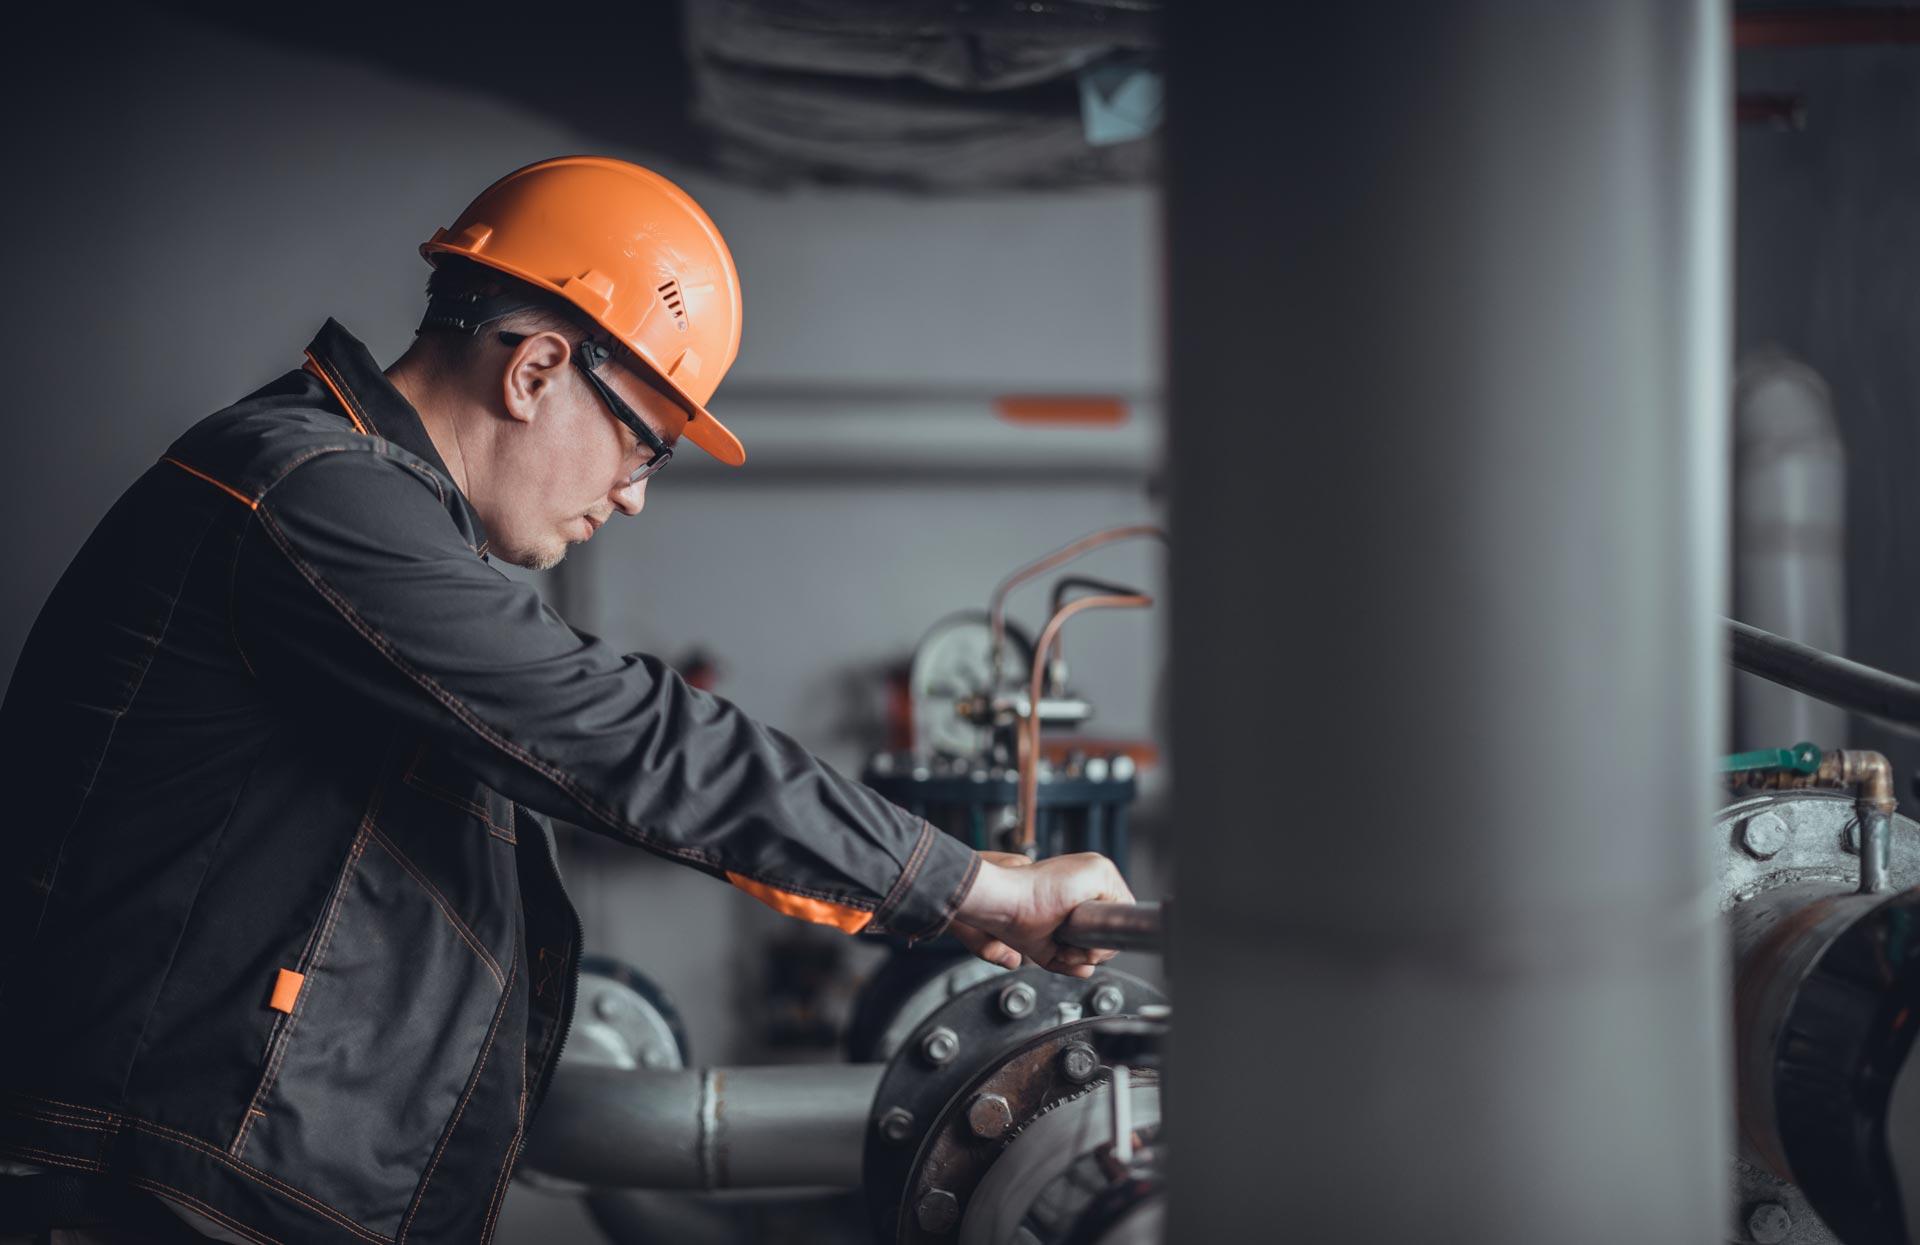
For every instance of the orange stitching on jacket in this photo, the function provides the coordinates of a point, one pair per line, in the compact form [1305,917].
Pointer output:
[248,1171]
[358,850]
[453,1125]
[952,904]
[908,872]
[106,1116]
[226,1221]
[424,787]
[320,369]
[500,1186]
[36,1155]
[61,1117]
[473,810]
[558,777]
[455,706]
[440,901]
[251,503]
[282,1034]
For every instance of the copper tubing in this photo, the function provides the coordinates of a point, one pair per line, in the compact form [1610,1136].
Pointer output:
[1869,775]
[1029,759]
[997,603]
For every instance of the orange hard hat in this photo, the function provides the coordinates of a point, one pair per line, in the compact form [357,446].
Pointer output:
[631,250]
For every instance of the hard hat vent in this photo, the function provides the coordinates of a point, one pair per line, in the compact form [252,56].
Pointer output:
[670,295]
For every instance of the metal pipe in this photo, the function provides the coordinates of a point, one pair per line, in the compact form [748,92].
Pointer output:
[706,1128]
[997,603]
[1888,699]
[1800,28]
[1115,927]
[1869,775]
[1459,353]
[1029,757]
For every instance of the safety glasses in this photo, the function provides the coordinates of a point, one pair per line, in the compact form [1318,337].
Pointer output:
[588,356]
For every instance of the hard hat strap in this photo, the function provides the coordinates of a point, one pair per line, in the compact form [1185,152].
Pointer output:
[469,313]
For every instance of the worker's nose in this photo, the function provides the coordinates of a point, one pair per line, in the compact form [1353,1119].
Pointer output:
[630,498]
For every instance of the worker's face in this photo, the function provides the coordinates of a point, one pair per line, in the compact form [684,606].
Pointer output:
[564,461]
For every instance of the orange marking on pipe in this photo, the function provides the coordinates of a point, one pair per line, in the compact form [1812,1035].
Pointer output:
[1082,410]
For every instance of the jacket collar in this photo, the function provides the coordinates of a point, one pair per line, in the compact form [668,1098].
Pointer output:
[376,408]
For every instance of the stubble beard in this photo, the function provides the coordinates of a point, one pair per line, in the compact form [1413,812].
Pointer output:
[538,558]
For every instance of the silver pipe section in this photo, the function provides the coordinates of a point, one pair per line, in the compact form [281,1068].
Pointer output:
[705,1128]
[1448,442]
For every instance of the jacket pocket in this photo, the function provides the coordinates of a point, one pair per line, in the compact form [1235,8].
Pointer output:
[398,1003]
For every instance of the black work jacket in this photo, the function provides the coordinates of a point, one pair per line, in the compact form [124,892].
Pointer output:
[282,938]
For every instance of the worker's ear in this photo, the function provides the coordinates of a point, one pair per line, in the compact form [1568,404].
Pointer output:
[534,374]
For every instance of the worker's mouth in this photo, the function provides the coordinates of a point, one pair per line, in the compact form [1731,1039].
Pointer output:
[591,524]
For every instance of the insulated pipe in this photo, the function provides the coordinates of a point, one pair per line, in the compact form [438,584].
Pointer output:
[706,1128]
[1789,555]
[1448,320]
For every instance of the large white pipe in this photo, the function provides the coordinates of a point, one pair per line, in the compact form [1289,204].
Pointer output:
[1447,422]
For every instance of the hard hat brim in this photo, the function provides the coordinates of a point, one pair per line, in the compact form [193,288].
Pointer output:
[710,434]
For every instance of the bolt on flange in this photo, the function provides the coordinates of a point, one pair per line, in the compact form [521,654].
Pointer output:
[896,1124]
[938,1211]
[1078,1063]
[1017,999]
[940,1046]
[1764,835]
[989,1117]
[1769,1223]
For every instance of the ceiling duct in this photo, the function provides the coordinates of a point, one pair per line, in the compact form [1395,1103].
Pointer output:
[928,94]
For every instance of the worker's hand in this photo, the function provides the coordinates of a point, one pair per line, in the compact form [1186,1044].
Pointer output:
[1016,904]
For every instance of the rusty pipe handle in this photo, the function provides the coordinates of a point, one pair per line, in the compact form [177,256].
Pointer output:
[1114,927]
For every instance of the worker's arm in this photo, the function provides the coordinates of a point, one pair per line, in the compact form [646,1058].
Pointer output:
[353,588]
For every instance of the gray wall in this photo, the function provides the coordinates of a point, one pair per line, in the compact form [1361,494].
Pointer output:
[1828,266]
[190,205]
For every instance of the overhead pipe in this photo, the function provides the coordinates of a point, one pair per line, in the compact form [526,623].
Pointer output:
[1800,28]
[1888,699]
[705,1128]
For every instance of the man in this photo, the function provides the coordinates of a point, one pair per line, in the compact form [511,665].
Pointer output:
[285,944]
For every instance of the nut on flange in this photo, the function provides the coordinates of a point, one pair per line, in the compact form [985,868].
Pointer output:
[938,1211]
[1017,999]
[897,1124]
[989,1117]
[1764,835]
[1078,1063]
[940,1046]
[1769,1223]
